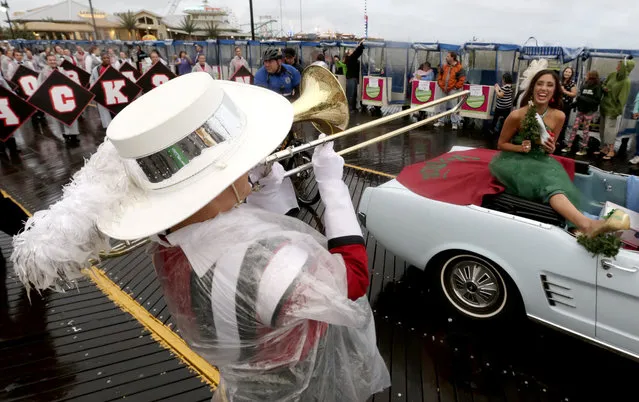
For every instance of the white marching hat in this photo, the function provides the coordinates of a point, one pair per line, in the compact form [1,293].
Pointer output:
[167,154]
[185,142]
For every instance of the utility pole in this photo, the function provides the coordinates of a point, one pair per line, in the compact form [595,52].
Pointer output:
[5,7]
[252,22]
[95,30]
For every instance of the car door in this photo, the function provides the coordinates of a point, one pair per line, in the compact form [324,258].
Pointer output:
[618,301]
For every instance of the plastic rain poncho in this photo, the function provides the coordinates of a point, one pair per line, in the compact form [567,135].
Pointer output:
[258,295]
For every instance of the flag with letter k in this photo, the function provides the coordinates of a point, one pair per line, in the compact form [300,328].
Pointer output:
[114,91]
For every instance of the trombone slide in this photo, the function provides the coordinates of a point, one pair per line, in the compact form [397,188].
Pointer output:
[394,133]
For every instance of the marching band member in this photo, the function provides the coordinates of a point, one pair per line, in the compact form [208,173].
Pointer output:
[279,308]
[92,59]
[66,55]
[80,55]
[105,114]
[18,60]
[70,133]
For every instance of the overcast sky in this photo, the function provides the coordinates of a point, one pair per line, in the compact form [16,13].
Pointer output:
[572,23]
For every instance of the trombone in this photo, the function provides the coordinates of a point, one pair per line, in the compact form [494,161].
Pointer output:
[324,104]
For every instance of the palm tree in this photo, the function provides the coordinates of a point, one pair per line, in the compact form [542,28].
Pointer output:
[212,31]
[128,22]
[188,25]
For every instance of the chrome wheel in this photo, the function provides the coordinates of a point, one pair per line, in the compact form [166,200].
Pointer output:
[474,286]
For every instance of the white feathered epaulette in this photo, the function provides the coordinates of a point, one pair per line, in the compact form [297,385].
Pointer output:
[57,243]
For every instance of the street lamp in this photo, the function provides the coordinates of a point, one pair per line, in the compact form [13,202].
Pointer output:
[252,22]
[4,7]
[95,30]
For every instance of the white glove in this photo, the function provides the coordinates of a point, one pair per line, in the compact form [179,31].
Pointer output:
[272,191]
[327,164]
[339,218]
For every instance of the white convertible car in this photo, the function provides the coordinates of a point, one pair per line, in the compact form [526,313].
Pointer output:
[508,253]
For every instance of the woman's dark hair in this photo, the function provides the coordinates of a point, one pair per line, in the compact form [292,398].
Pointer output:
[453,55]
[572,73]
[556,101]
[424,65]
[508,78]
[180,55]
[593,77]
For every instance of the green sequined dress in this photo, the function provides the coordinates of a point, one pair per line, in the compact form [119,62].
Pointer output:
[535,176]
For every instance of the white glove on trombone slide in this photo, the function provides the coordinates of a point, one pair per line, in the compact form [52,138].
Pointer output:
[339,218]
[272,191]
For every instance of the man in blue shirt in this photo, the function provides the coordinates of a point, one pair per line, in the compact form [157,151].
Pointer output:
[277,76]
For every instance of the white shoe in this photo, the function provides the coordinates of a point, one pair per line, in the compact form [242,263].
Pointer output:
[454,126]
[438,124]
[635,160]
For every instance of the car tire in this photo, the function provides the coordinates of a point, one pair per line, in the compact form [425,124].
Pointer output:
[476,287]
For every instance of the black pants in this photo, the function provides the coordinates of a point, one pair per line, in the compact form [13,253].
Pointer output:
[10,145]
[499,113]
[12,219]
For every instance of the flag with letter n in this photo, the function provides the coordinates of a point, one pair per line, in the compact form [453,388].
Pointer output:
[26,81]
[61,97]
[114,91]
[14,111]
[129,71]
[76,73]
[157,75]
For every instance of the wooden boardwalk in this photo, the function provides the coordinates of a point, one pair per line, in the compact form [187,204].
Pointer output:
[81,346]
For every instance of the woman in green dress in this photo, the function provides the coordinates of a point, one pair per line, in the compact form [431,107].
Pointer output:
[528,171]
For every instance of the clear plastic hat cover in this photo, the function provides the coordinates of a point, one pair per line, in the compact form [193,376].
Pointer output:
[259,296]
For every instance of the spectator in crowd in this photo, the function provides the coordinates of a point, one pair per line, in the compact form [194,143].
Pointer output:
[504,102]
[183,63]
[290,58]
[635,115]
[352,74]
[587,104]
[202,66]
[320,60]
[568,94]
[616,90]
[424,72]
[237,62]
[338,67]
[450,81]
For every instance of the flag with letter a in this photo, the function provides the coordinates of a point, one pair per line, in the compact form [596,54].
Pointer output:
[14,111]
[26,81]
[114,91]
[157,75]
[61,97]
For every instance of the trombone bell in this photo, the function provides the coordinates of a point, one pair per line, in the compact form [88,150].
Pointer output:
[322,101]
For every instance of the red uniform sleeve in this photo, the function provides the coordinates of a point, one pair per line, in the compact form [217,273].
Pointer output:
[356,261]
